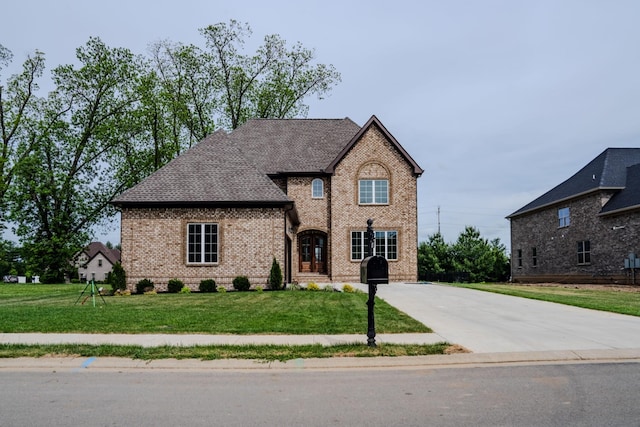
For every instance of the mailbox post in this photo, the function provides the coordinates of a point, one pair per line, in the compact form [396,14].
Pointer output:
[374,270]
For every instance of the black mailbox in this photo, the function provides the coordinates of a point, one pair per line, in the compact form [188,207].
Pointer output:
[374,270]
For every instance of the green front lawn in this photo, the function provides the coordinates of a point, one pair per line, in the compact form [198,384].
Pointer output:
[616,300]
[53,308]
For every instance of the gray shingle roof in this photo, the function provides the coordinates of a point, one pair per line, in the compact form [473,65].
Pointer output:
[94,248]
[234,168]
[629,197]
[293,145]
[608,171]
[212,172]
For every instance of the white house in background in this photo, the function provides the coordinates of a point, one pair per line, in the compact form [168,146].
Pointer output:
[96,261]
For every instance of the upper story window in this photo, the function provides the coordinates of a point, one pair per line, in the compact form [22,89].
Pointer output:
[317,188]
[373,192]
[563,217]
[202,243]
[100,263]
[519,257]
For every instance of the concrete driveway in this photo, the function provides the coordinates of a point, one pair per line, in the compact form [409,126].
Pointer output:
[485,322]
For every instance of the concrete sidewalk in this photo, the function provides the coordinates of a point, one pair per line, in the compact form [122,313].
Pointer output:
[156,340]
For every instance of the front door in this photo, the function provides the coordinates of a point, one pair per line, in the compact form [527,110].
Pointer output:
[313,251]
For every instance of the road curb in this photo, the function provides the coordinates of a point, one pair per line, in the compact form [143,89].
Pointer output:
[101,364]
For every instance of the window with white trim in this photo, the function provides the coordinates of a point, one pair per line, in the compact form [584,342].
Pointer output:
[373,191]
[564,217]
[202,243]
[386,245]
[317,188]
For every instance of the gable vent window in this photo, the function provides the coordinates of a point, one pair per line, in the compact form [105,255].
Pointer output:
[317,188]
[202,243]
[563,217]
[373,192]
[584,252]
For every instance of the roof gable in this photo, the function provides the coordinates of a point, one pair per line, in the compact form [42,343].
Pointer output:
[373,121]
[608,171]
[629,197]
[95,248]
[213,172]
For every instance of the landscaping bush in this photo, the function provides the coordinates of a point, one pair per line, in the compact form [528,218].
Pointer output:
[312,286]
[117,278]
[275,275]
[207,285]
[174,286]
[347,288]
[144,285]
[241,283]
[185,290]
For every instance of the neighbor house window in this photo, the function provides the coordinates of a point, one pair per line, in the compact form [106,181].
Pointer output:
[584,252]
[99,263]
[202,243]
[317,188]
[563,217]
[534,256]
[386,245]
[373,192]
[519,257]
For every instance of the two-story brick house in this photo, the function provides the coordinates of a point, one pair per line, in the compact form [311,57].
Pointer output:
[582,230]
[299,190]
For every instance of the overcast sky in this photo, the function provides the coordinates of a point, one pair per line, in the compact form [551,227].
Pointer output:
[498,101]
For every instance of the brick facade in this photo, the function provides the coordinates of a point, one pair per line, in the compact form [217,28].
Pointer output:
[154,244]
[374,157]
[154,238]
[611,239]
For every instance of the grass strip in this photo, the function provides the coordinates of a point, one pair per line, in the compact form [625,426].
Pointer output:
[218,352]
[615,300]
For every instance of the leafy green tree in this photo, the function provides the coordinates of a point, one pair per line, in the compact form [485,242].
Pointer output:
[434,256]
[63,187]
[470,254]
[19,108]
[273,83]
[475,255]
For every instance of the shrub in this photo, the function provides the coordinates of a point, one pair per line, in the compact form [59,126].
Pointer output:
[144,285]
[259,288]
[312,286]
[222,290]
[117,278]
[348,288]
[275,275]
[185,290]
[207,285]
[174,286]
[241,283]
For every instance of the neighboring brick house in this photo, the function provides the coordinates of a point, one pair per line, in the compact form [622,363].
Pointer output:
[96,261]
[299,190]
[582,230]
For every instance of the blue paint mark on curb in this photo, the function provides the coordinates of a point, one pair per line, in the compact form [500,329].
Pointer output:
[88,362]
